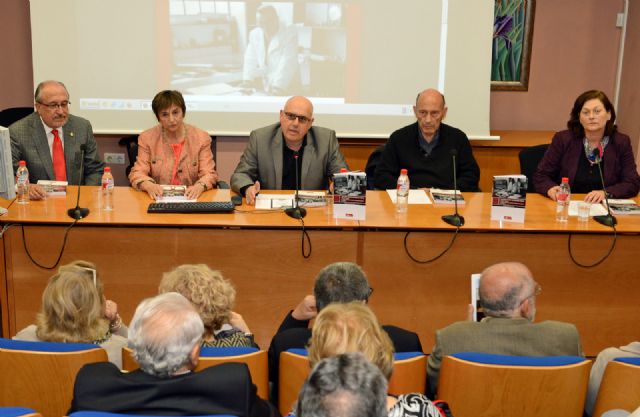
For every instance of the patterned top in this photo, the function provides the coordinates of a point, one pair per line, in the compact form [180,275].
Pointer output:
[414,405]
[230,338]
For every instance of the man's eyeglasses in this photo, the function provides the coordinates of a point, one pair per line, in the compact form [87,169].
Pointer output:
[293,116]
[55,106]
[536,292]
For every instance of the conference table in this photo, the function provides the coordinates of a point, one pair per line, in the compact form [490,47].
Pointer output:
[261,252]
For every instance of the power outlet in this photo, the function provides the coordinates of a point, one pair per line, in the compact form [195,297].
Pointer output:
[114,158]
[620,20]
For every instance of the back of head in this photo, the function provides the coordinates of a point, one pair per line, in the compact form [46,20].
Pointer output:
[209,292]
[343,386]
[341,282]
[503,288]
[72,307]
[347,328]
[163,333]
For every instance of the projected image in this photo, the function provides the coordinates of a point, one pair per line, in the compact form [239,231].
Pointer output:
[258,49]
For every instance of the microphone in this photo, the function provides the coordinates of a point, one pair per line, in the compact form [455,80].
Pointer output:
[454,219]
[78,212]
[607,219]
[296,211]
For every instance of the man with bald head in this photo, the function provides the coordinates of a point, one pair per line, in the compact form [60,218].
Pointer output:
[275,152]
[425,148]
[508,297]
[50,141]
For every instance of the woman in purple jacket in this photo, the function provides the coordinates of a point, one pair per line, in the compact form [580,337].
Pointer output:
[591,137]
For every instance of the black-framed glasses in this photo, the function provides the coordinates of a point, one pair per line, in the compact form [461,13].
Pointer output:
[55,106]
[293,116]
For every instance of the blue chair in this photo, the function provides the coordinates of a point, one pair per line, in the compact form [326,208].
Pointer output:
[620,386]
[481,384]
[409,375]
[104,414]
[255,359]
[41,374]
[18,412]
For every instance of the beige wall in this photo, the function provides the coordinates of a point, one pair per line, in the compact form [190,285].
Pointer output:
[575,48]
[629,105]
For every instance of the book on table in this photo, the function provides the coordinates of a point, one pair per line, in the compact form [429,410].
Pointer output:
[623,207]
[446,197]
[509,198]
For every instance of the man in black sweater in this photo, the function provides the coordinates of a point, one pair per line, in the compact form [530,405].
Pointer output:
[425,149]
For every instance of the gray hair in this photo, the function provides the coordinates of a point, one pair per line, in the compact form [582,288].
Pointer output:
[341,282]
[42,84]
[343,386]
[506,304]
[163,332]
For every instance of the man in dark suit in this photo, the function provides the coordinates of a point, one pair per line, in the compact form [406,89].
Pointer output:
[425,149]
[508,297]
[275,152]
[340,282]
[49,140]
[166,335]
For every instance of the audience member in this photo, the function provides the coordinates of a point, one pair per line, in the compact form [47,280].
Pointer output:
[425,149]
[352,327]
[74,310]
[340,282]
[597,370]
[165,335]
[591,135]
[344,386]
[276,152]
[50,142]
[173,152]
[508,296]
[213,297]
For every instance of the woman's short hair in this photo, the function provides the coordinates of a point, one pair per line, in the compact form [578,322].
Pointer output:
[73,306]
[574,118]
[347,328]
[212,295]
[165,99]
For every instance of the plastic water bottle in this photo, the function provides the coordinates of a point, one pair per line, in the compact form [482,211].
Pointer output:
[563,197]
[22,183]
[107,189]
[402,192]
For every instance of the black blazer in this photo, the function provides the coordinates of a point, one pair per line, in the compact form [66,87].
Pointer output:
[294,334]
[222,389]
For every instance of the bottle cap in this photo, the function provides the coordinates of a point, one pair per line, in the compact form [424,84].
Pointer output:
[403,171]
[565,179]
[22,163]
[107,169]
[343,170]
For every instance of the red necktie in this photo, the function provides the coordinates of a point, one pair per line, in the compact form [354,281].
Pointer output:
[59,166]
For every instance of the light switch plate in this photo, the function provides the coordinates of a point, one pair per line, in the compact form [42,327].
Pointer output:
[114,158]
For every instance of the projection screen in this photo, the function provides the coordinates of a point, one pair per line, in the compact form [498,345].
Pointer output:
[361,62]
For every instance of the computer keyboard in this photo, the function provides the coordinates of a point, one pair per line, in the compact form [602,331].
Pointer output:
[193,207]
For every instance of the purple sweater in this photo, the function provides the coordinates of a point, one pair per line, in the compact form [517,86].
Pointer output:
[561,160]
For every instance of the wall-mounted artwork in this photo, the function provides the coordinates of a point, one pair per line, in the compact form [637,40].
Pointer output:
[512,36]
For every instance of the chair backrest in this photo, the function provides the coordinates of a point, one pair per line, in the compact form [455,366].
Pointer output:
[255,359]
[372,164]
[105,414]
[409,375]
[620,386]
[477,384]
[13,114]
[18,412]
[41,375]
[529,159]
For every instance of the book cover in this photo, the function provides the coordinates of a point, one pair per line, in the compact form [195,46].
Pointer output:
[350,195]
[447,197]
[53,188]
[624,207]
[509,198]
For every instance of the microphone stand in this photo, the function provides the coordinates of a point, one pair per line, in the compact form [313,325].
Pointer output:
[296,211]
[78,212]
[607,219]
[454,219]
